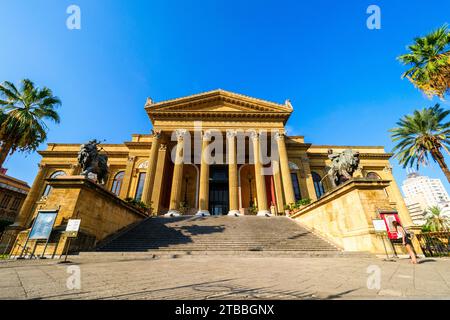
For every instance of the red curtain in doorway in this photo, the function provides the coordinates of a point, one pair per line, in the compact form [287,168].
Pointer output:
[270,190]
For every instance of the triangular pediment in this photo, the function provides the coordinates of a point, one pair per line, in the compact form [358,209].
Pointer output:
[219,101]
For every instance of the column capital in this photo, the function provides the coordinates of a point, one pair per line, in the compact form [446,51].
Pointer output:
[163,147]
[206,135]
[41,166]
[180,133]
[157,134]
[280,135]
[254,135]
[231,134]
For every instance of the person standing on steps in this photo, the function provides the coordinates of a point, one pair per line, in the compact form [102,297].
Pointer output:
[406,240]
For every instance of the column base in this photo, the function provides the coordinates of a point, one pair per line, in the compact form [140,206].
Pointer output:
[234,213]
[203,213]
[172,213]
[264,213]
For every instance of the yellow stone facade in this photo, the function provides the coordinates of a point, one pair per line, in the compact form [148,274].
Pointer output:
[154,169]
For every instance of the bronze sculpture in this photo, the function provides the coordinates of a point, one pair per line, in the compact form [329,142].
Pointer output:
[92,161]
[343,165]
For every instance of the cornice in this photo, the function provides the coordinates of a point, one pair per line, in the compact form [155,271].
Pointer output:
[237,98]
[384,156]
[70,154]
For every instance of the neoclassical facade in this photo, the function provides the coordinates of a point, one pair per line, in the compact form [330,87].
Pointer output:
[202,158]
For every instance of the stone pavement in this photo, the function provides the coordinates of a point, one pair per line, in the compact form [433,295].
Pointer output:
[215,277]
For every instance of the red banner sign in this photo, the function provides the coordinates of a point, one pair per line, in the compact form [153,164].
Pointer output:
[388,218]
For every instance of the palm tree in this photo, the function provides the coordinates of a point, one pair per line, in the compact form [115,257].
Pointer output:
[429,59]
[436,222]
[22,116]
[420,135]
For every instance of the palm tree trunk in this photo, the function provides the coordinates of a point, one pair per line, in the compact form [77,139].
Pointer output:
[437,155]
[5,149]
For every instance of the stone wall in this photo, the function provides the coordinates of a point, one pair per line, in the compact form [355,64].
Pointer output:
[344,216]
[101,213]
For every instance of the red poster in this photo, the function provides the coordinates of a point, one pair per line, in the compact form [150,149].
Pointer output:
[388,218]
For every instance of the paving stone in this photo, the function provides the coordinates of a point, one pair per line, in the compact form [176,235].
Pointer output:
[226,278]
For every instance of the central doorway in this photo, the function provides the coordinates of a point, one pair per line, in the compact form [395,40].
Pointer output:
[218,190]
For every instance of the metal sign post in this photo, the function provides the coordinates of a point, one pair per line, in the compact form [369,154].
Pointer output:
[41,229]
[73,226]
[380,229]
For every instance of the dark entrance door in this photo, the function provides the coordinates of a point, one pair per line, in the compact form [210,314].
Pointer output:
[218,190]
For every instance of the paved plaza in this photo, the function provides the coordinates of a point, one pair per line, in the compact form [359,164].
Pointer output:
[209,277]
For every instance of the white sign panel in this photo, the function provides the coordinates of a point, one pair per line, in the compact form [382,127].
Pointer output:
[73,225]
[379,225]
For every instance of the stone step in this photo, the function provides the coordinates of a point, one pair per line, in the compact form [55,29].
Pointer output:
[158,254]
[216,235]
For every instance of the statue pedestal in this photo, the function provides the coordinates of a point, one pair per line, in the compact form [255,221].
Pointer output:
[102,214]
[344,215]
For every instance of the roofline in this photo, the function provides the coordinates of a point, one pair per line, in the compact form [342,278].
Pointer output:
[23,183]
[217,92]
[344,146]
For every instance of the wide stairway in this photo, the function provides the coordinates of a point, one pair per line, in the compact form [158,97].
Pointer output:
[220,235]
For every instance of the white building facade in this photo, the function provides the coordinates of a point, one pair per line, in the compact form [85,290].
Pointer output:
[421,193]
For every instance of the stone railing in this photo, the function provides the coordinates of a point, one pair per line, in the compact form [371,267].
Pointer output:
[344,215]
[101,212]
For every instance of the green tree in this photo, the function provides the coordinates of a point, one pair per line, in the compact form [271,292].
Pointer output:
[23,115]
[424,133]
[436,222]
[429,61]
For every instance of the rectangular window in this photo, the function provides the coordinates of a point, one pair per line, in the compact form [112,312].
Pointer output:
[140,186]
[15,204]
[5,201]
[296,185]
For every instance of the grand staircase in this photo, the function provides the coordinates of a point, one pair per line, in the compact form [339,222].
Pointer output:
[243,235]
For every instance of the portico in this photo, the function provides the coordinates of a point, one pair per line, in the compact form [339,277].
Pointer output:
[218,128]
[227,175]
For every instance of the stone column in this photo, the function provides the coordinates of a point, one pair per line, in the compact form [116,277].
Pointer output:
[203,197]
[233,185]
[260,180]
[150,176]
[161,172]
[311,190]
[177,179]
[285,171]
[278,186]
[131,161]
[33,195]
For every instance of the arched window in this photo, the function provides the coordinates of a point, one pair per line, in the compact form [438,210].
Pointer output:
[296,185]
[140,186]
[54,175]
[373,175]
[318,185]
[293,167]
[117,183]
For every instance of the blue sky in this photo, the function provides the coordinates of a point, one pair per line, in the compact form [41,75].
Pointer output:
[342,78]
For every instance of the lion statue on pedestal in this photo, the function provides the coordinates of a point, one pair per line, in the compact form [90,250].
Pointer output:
[92,161]
[343,165]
